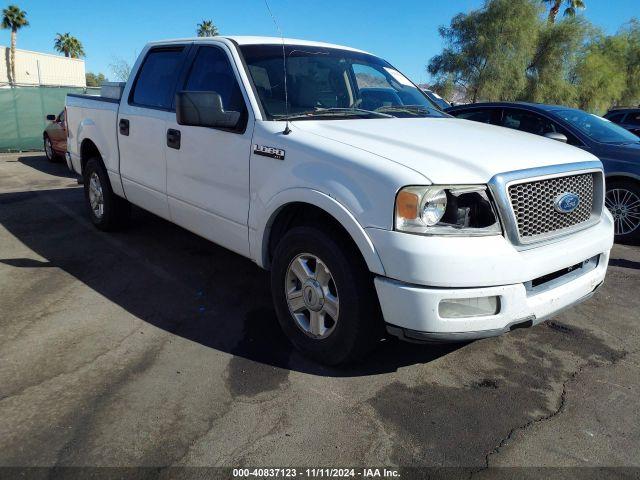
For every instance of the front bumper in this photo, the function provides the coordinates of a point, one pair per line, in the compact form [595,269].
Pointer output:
[411,309]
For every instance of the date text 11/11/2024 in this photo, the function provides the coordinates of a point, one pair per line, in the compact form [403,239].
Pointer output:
[315,473]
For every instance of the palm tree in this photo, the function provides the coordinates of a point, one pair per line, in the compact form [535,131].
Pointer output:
[13,18]
[69,45]
[207,29]
[572,8]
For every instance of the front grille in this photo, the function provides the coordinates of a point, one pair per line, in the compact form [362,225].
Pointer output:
[533,205]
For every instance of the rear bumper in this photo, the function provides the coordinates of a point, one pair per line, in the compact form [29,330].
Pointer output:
[412,311]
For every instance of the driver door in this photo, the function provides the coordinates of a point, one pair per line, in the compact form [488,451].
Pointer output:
[208,168]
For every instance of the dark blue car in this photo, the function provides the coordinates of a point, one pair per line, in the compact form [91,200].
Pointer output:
[618,149]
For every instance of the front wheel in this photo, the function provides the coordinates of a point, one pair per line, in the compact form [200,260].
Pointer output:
[623,201]
[324,296]
[107,210]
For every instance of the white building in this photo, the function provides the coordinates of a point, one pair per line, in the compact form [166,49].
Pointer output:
[35,68]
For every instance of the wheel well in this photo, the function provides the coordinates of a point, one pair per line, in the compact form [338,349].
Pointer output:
[304,214]
[623,178]
[88,150]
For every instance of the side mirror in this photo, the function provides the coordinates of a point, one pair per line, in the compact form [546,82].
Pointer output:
[560,137]
[204,109]
[51,118]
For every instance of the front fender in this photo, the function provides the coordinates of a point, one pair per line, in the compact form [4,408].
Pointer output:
[263,219]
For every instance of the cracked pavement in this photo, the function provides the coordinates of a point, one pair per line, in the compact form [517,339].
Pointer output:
[154,347]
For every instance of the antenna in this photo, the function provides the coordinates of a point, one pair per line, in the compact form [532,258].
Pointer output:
[287,130]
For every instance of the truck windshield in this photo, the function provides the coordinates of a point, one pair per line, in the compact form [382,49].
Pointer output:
[330,83]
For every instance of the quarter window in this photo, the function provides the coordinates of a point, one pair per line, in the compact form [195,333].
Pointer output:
[155,84]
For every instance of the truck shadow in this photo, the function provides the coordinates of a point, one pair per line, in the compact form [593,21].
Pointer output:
[175,281]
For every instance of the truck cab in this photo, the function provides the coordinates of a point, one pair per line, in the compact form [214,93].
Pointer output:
[375,212]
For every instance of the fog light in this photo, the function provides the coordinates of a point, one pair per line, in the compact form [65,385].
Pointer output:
[469,307]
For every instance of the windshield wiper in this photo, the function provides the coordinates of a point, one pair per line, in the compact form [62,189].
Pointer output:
[411,109]
[335,112]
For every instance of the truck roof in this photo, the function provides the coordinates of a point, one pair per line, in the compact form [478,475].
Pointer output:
[251,40]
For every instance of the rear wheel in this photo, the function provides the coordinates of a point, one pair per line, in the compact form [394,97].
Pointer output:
[52,156]
[324,296]
[106,209]
[623,201]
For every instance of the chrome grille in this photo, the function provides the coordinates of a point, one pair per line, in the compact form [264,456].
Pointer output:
[533,205]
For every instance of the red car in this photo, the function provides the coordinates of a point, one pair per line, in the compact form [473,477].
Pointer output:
[55,137]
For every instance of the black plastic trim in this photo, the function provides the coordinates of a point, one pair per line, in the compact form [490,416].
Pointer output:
[94,97]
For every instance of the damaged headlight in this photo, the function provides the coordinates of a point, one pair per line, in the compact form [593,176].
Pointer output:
[446,210]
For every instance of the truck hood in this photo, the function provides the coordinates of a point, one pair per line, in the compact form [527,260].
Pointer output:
[447,150]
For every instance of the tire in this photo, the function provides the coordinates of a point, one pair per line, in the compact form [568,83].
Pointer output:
[358,325]
[107,211]
[623,201]
[50,153]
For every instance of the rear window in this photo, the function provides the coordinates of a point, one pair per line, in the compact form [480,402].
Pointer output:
[156,81]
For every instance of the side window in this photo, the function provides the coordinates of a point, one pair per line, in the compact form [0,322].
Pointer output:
[527,122]
[157,78]
[212,72]
[633,119]
[477,115]
[615,117]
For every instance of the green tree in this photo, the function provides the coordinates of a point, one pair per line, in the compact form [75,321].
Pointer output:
[69,45]
[94,80]
[487,51]
[571,10]
[599,82]
[607,71]
[558,46]
[207,29]
[13,19]
[631,35]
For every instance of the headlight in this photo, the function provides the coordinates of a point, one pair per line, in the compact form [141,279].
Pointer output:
[446,210]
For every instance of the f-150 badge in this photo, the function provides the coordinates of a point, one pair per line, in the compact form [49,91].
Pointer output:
[272,152]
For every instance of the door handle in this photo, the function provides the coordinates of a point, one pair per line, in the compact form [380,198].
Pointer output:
[124,126]
[173,138]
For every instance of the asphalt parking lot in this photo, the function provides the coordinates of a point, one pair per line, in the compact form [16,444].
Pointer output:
[155,347]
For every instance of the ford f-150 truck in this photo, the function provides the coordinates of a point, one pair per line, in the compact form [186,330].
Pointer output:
[374,211]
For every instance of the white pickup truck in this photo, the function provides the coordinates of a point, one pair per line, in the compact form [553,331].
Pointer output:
[370,207]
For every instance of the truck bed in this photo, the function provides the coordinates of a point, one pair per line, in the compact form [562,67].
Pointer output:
[93,119]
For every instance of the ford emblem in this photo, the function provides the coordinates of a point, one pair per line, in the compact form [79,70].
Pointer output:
[566,202]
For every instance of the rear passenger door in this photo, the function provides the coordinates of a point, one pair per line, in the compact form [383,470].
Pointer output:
[142,127]
[208,168]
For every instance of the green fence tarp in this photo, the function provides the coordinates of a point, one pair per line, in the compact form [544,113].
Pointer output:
[23,112]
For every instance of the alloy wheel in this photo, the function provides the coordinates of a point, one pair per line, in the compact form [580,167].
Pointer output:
[624,205]
[96,197]
[312,296]
[48,148]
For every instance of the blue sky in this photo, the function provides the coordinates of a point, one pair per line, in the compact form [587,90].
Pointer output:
[403,32]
